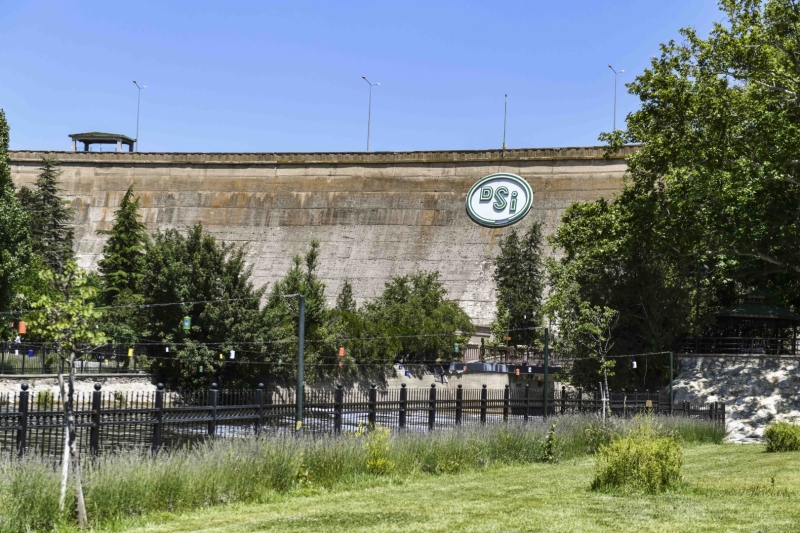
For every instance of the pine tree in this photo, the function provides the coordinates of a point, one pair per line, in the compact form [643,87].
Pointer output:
[345,301]
[123,263]
[520,283]
[14,236]
[50,230]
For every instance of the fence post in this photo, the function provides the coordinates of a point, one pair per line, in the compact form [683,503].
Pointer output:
[212,403]
[506,401]
[484,397]
[373,400]
[23,362]
[580,399]
[94,432]
[338,400]
[22,427]
[527,401]
[624,404]
[563,399]
[156,443]
[658,401]
[597,399]
[459,403]
[432,406]
[3,361]
[259,408]
[403,402]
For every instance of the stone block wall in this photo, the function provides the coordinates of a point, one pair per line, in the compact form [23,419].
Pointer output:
[376,214]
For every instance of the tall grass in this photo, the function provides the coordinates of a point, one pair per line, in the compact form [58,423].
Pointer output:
[119,486]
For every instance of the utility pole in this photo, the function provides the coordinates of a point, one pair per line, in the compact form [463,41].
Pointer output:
[301,339]
[615,94]
[369,108]
[546,368]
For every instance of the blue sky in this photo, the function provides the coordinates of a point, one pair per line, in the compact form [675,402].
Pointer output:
[259,76]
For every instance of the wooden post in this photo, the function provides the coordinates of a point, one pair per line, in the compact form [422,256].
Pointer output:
[459,403]
[212,403]
[338,400]
[372,407]
[403,403]
[22,422]
[94,432]
[156,442]
[432,407]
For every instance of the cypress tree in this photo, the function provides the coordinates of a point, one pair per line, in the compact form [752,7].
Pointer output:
[123,263]
[520,282]
[50,220]
[14,237]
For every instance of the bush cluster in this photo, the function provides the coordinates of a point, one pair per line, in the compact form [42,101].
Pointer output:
[783,437]
[645,460]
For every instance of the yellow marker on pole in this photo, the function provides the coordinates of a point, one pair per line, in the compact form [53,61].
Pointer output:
[130,352]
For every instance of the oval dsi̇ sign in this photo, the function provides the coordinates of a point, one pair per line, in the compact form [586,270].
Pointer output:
[499,200]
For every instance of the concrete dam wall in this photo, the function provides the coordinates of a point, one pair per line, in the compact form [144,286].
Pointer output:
[375,214]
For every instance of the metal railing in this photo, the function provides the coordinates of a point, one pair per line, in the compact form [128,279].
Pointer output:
[38,358]
[737,345]
[108,421]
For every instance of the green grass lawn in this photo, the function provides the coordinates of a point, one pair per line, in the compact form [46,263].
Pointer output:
[726,488]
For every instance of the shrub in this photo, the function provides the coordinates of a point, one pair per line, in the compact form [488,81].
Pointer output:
[642,461]
[44,398]
[376,446]
[783,437]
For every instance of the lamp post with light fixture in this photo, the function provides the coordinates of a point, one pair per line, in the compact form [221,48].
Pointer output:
[138,104]
[369,108]
[615,94]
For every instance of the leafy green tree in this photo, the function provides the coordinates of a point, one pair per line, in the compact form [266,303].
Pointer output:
[15,251]
[123,265]
[709,209]
[519,275]
[66,317]
[227,315]
[283,311]
[414,321]
[50,220]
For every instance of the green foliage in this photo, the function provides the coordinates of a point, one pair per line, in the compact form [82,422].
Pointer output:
[411,307]
[642,461]
[44,398]
[50,220]
[66,316]
[15,249]
[197,268]
[345,303]
[5,170]
[283,314]
[376,448]
[782,437]
[123,265]
[519,276]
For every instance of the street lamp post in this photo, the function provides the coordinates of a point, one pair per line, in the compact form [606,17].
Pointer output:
[138,104]
[369,109]
[615,94]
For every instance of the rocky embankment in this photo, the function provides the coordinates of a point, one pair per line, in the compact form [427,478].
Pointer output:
[755,391]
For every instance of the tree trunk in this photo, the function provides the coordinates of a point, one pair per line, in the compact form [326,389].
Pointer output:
[76,461]
[65,456]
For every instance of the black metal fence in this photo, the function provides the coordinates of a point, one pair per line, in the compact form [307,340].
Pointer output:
[111,421]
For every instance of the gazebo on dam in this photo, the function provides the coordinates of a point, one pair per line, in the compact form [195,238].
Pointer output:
[750,327]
